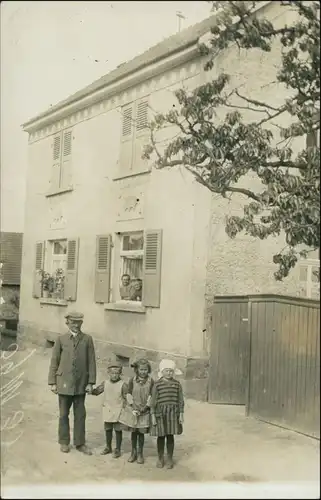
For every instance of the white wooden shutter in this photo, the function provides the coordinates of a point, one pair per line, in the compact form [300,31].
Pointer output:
[56,163]
[72,269]
[66,173]
[39,262]
[126,145]
[103,262]
[142,135]
[152,267]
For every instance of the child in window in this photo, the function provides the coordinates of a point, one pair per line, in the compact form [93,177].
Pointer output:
[167,410]
[136,413]
[136,290]
[113,401]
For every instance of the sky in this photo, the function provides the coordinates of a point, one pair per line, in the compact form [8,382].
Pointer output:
[49,50]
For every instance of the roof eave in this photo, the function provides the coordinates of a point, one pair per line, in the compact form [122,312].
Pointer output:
[133,77]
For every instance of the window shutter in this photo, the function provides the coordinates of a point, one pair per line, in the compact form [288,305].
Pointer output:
[56,162]
[152,267]
[39,261]
[141,115]
[72,269]
[65,180]
[142,135]
[126,146]
[103,262]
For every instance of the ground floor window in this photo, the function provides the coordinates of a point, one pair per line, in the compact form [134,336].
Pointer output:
[131,266]
[54,271]
[309,278]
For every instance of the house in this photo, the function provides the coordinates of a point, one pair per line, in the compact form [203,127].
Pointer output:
[10,261]
[97,211]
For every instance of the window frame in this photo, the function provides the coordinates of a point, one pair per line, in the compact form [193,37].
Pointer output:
[121,254]
[134,135]
[60,188]
[308,284]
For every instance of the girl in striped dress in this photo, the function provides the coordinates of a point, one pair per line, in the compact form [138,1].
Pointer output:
[135,416]
[167,410]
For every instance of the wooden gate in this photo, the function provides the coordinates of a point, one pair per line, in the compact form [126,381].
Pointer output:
[230,351]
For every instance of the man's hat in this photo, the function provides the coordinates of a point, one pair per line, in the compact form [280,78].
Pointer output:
[73,315]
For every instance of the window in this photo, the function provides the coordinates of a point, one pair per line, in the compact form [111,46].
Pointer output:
[56,266]
[135,276]
[131,266]
[134,136]
[309,281]
[61,165]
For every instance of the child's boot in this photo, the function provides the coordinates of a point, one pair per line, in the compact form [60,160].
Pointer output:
[140,456]
[160,451]
[119,437]
[170,452]
[133,455]
[109,437]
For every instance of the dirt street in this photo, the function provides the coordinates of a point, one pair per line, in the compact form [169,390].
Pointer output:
[219,443]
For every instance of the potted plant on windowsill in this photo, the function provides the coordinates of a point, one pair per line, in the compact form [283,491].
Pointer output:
[47,284]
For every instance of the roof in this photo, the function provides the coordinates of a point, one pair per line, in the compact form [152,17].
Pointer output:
[11,255]
[167,47]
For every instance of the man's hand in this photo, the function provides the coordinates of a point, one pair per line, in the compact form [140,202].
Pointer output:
[53,388]
[154,420]
[89,389]
[181,418]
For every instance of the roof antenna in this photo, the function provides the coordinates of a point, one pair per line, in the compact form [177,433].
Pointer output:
[180,16]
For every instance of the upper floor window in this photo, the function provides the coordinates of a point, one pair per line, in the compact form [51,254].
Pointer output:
[61,161]
[134,136]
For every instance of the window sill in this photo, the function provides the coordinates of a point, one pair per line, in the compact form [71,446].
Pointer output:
[59,191]
[54,302]
[125,306]
[131,174]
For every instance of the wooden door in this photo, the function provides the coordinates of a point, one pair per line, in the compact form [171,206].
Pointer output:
[230,351]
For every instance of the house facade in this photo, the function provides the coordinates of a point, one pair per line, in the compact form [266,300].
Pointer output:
[10,271]
[141,252]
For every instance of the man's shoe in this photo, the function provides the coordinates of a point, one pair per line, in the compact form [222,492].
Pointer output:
[84,449]
[65,448]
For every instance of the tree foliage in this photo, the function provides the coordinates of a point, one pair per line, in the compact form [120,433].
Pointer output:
[222,152]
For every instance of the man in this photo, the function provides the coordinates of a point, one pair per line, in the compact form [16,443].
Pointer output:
[72,374]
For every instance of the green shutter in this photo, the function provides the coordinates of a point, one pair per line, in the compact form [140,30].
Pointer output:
[72,269]
[152,268]
[39,262]
[103,265]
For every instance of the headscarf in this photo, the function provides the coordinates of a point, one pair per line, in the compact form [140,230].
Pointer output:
[168,364]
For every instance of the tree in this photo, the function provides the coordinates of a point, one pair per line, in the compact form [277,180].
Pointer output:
[220,152]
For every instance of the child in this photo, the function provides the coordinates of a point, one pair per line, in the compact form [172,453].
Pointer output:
[114,396]
[167,410]
[136,413]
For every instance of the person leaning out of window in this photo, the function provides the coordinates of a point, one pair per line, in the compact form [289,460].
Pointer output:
[136,290]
